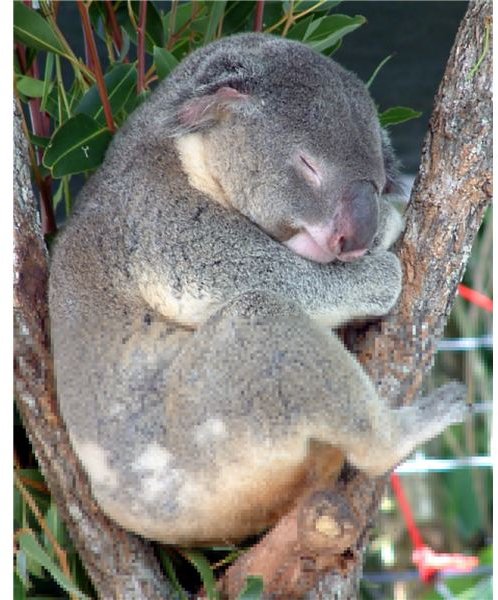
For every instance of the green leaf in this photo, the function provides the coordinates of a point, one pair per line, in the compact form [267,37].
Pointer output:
[215,16]
[154,33]
[120,83]
[47,80]
[32,29]
[33,550]
[253,589]
[397,114]
[38,140]
[165,62]
[30,87]
[306,4]
[19,588]
[170,570]
[239,16]
[377,69]
[331,30]
[78,145]
[298,31]
[182,16]
[56,526]
[203,567]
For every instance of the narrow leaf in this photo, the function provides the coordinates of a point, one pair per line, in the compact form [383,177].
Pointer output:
[120,83]
[203,567]
[165,62]
[397,114]
[32,29]
[170,570]
[78,145]
[300,30]
[154,34]
[331,30]
[33,550]
[253,589]
[19,588]
[377,69]
[47,80]
[215,15]
[325,7]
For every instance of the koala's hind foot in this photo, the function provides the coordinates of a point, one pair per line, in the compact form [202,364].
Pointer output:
[430,415]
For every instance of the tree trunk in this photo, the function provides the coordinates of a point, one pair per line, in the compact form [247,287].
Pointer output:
[320,544]
[120,564]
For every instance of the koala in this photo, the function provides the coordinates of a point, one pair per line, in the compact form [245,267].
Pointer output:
[239,217]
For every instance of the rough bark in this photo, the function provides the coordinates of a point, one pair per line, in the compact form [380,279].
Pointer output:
[451,193]
[120,565]
[319,545]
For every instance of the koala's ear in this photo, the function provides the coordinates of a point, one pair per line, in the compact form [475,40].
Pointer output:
[203,110]
[394,184]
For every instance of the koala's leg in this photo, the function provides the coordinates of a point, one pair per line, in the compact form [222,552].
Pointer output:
[259,397]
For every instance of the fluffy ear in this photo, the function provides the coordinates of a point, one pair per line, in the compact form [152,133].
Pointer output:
[391,167]
[198,112]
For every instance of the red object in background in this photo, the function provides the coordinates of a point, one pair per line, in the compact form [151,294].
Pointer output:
[475,297]
[428,562]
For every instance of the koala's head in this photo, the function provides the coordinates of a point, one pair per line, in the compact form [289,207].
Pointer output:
[288,138]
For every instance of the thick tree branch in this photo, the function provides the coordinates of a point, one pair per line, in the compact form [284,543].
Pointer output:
[120,565]
[450,196]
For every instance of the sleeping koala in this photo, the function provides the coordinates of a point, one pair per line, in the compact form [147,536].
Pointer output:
[237,218]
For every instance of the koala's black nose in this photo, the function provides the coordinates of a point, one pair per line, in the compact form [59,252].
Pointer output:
[357,221]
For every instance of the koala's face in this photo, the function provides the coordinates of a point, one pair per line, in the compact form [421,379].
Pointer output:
[296,147]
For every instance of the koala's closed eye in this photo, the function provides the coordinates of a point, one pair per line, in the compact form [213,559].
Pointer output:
[309,170]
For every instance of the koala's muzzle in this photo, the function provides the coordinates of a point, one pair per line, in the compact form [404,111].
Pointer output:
[356,223]
[348,234]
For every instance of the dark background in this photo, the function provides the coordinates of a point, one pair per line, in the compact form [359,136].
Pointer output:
[420,35]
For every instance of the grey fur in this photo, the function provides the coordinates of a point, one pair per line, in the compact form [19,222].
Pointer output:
[193,352]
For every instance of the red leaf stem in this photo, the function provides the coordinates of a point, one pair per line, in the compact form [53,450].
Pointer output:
[97,67]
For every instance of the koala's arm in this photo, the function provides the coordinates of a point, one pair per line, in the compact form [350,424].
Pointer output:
[391,224]
[188,273]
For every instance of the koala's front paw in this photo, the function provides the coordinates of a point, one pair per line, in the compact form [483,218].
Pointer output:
[391,224]
[382,286]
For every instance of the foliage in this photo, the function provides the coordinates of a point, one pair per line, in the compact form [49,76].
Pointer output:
[72,109]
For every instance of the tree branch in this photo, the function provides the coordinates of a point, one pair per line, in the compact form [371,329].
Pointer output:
[451,192]
[120,565]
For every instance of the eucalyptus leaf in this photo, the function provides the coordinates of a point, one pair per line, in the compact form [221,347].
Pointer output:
[30,87]
[33,550]
[154,31]
[182,15]
[32,29]
[19,588]
[397,114]
[377,70]
[170,571]
[239,16]
[47,80]
[165,62]
[120,83]
[331,30]
[300,29]
[253,589]
[307,4]
[203,567]
[77,146]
